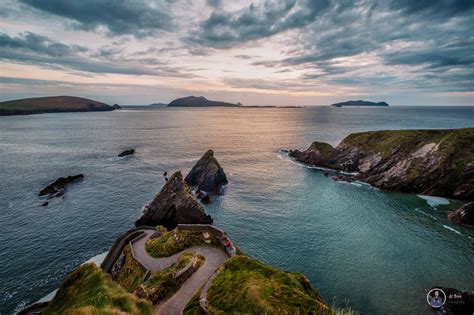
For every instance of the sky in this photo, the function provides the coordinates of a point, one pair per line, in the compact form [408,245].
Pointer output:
[286,52]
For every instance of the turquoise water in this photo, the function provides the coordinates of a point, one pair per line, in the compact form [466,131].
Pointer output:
[376,252]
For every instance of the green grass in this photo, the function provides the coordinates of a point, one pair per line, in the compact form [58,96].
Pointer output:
[176,241]
[131,274]
[161,284]
[193,308]
[245,285]
[88,290]
[385,141]
[326,150]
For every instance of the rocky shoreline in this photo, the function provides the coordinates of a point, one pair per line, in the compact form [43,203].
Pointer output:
[430,162]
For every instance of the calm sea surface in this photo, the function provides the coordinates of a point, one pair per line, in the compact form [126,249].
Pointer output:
[376,252]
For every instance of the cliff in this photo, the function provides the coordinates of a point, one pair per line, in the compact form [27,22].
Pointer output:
[201,101]
[359,103]
[174,205]
[51,104]
[207,174]
[431,162]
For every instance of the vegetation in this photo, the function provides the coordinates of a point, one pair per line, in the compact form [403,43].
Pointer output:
[88,290]
[131,274]
[326,150]
[193,307]
[177,240]
[162,283]
[245,285]
[63,103]
[384,141]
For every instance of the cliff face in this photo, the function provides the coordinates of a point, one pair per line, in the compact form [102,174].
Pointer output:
[207,174]
[432,162]
[174,205]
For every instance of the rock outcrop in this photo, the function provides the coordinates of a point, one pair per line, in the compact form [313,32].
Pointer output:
[464,215]
[174,205]
[127,153]
[430,162]
[207,174]
[116,106]
[59,186]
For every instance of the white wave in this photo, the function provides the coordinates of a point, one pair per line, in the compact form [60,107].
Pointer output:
[434,201]
[97,259]
[49,297]
[117,158]
[356,184]
[451,229]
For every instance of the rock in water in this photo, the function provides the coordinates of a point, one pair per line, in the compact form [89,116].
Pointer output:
[464,215]
[127,153]
[58,187]
[174,205]
[207,174]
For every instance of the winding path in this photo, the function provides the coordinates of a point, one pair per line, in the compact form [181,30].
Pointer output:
[214,258]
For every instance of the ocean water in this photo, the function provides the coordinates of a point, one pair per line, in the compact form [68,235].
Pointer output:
[376,252]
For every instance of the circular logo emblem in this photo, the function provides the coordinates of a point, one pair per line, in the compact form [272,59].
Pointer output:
[436,298]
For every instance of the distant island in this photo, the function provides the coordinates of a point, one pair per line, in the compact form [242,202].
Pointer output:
[158,105]
[201,101]
[359,103]
[52,104]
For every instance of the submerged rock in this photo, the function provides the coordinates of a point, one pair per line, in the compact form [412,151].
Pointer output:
[174,205]
[464,215]
[127,153]
[428,162]
[207,175]
[57,189]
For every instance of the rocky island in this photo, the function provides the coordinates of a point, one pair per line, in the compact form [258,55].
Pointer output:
[52,104]
[207,175]
[201,101]
[359,103]
[173,205]
[58,187]
[430,162]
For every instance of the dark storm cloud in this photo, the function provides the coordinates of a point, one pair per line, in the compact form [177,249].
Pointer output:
[34,49]
[125,17]
[432,8]
[223,29]
[32,42]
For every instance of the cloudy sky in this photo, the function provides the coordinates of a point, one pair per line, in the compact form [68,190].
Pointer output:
[286,52]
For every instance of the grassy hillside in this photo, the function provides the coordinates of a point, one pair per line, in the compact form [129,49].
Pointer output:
[384,141]
[88,290]
[51,104]
[247,286]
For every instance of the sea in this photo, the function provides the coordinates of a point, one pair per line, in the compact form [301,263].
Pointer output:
[361,248]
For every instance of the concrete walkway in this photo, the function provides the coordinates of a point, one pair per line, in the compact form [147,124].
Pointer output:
[214,258]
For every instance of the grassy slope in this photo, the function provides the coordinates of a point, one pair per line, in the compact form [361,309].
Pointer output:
[245,285]
[88,290]
[53,102]
[161,281]
[175,241]
[457,141]
[131,275]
